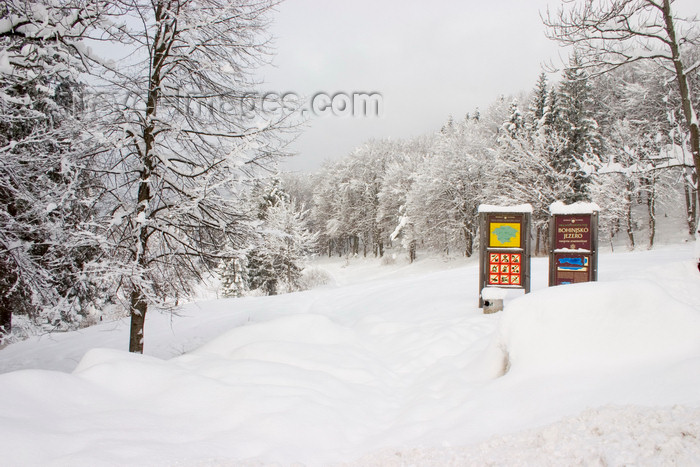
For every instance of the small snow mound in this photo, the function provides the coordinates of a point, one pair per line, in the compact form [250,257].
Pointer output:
[302,329]
[558,207]
[494,293]
[597,326]
[99,356]
[498,208]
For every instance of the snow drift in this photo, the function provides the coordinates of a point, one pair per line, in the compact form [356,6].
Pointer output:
[597,327]
[387,371]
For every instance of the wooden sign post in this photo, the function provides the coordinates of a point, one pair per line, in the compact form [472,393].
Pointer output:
[573,251]
[504,247]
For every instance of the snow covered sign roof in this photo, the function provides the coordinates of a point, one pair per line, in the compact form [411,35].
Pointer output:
[495,208]
[579,207]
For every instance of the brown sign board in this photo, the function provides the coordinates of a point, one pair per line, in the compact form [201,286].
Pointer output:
[572,268]
[573,254]
[504,248]
[573,232]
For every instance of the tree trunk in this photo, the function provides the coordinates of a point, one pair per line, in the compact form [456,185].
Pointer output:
[378,242]
[469,243]
[5,321]
[630,230]
[614,229]
[138,310]
[689,112]
[612,245]
[651,208]
[652,221]
[139,305]
[691,202]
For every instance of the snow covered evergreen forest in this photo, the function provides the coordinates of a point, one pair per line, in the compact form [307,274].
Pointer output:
[129,181]
[616,139]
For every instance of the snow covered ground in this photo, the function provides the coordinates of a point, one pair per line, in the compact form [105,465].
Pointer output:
[393,364]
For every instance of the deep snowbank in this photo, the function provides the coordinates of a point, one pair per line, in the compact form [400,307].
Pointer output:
[597,327]
[368,370]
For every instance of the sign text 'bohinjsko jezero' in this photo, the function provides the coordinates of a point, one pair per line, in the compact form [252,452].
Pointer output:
[573,256]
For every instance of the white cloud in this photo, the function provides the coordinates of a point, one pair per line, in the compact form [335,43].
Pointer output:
[428,59]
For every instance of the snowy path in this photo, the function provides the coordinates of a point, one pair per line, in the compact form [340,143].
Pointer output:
[397,367]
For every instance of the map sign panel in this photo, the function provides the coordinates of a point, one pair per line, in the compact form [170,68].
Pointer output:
[572,232]
[504,234]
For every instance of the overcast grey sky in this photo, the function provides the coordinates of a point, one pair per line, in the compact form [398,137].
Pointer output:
[428,60]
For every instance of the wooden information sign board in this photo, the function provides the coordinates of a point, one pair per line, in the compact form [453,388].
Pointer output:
[573,255]
[504,247]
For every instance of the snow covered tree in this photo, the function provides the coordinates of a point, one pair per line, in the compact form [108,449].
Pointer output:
[608,35]
[300,187]
[644,147]
[346,202]
[183,142]
[47,237]
[449,126]
[443,200]
[274,265]
[578,129]
[619,180]
[263,273]
[234,277]
[322,213]
[448,188]
[233,272]
[399,175]
[538,103]
[268,194]
[525,159]
[515,125]
[271,261]
[372,160]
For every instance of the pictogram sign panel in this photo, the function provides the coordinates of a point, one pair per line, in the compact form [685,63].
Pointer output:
[505,269]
